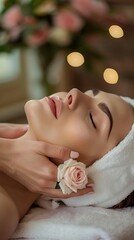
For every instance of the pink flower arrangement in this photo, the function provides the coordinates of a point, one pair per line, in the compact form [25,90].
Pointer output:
[72,176]
[33,23]
[51,26]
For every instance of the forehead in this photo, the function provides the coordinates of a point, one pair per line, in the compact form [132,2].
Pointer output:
[114,101]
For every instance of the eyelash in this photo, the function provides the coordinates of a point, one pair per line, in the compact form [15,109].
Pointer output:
[92,120]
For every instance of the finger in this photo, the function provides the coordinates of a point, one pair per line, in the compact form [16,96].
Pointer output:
[57,193]
[12,130]
[51,184]
[60,152]
[18,131]
[52,192]
[46,186]
[90,183]
[82,192]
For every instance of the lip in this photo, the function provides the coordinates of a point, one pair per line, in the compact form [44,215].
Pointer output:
[55,104]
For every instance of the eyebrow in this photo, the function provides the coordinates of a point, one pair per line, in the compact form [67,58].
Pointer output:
[106,110]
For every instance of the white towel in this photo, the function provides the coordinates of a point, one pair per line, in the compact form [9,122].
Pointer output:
[81,223]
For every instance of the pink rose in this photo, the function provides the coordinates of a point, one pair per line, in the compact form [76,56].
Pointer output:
[100,9]
[72,176]
[68,20]
[38,37]
[84,7]
[90,8]
[12,17]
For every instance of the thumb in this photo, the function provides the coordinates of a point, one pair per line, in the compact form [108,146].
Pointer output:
[8,130]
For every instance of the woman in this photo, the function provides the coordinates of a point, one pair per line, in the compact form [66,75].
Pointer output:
[91,123]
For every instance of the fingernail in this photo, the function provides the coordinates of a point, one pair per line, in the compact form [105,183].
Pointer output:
[74,154]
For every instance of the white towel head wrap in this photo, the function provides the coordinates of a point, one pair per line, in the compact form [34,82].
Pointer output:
[113,175]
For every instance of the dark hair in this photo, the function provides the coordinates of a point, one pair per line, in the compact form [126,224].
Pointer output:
[127,202]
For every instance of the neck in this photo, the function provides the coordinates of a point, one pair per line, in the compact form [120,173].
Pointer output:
[29,135]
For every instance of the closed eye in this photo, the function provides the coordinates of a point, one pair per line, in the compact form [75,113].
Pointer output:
[91,117]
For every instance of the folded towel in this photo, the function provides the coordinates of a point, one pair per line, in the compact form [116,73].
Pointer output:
[81,223]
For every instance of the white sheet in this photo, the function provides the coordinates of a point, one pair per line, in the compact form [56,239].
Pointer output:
[81,223]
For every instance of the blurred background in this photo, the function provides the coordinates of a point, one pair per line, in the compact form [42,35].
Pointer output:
[54,45]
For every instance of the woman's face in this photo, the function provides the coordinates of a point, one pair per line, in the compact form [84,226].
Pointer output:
[91,123]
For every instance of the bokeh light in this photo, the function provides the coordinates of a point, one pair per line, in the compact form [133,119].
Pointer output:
[116,31]
[75,59]
[110,76]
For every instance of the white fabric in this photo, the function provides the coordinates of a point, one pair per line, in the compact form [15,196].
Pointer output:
[82,223]
[113,175]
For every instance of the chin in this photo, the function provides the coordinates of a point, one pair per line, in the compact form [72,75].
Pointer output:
[33,111]
[29,105]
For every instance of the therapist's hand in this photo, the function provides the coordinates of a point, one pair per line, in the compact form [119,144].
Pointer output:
[28,161]
[57,193]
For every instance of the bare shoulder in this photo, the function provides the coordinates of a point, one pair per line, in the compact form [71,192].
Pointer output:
[9,217]
[21,197]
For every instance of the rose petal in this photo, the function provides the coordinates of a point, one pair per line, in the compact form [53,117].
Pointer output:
[72,176]
[64,188]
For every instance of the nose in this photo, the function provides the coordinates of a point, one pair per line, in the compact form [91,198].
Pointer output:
[73,98]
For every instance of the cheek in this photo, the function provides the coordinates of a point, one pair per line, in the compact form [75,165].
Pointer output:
[77,136]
